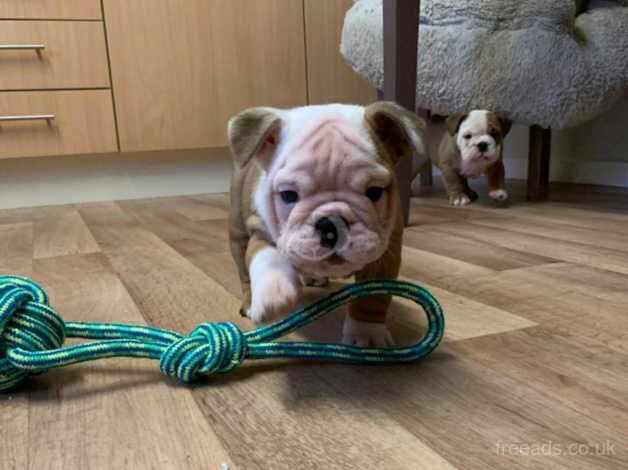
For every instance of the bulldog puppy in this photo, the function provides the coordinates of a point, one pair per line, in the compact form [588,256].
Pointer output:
[472,146]
[314,194]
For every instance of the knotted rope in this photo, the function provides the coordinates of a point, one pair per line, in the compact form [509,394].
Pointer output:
[32,336]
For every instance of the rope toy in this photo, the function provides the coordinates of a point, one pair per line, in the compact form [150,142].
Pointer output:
[32,336]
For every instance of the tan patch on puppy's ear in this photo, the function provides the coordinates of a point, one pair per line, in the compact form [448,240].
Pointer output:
[254,133]
[398,129]
[453,122]
[497,124]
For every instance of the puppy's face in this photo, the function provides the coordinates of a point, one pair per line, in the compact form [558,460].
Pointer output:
[479,136]
[327,193]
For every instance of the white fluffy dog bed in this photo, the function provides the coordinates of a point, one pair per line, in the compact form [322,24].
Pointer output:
[533,61]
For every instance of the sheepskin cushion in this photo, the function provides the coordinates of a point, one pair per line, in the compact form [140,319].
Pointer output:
[533,61]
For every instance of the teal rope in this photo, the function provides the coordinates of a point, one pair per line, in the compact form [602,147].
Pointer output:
[32,336]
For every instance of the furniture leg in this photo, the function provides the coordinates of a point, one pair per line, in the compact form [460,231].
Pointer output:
[426,172]
[401,30]
[538,163]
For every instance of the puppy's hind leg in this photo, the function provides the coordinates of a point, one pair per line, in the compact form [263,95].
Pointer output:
[238,252]
[238,243]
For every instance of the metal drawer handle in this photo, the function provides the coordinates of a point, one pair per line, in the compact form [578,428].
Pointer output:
[18,47]
[28,117]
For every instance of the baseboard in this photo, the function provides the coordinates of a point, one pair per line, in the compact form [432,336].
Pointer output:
[572,171]
[30,182]
[89,178]
[605,173]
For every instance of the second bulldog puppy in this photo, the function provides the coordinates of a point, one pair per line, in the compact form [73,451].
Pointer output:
[314,194]
[473,146]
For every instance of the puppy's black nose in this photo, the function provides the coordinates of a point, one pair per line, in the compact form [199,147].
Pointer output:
[483,146]
[328,232]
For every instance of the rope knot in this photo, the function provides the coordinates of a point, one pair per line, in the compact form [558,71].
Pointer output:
[27,324]
[209,348]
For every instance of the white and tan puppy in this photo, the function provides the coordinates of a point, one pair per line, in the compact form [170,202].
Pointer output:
[314,194]
[473,146]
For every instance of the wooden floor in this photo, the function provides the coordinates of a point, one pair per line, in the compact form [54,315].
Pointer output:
[533,371]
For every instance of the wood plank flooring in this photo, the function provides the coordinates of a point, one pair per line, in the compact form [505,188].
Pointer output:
[532,373]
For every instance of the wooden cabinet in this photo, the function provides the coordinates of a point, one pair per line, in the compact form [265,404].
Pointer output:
[176,70]
[83,123]
[181,68]
[330,80]
[50,9]
[74,55]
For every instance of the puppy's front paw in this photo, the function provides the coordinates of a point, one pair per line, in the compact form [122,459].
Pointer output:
[274,295]
[364,334]
[498,194]
[459,200]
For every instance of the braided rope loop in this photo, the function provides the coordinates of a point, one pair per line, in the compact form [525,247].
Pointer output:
[26,322]
[209,348]
[32,336]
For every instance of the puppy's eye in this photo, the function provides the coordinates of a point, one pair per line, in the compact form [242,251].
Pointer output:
[467,136]
[374,193]
[289,197]
[495,135]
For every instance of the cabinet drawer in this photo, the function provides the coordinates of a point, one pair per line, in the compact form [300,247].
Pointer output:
[52,54]
[83,123]
[50,9]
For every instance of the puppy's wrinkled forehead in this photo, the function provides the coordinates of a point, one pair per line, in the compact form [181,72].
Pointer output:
[320,140]
[333,151]
[476,122]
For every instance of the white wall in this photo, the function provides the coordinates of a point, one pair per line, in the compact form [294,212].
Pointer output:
[595,153]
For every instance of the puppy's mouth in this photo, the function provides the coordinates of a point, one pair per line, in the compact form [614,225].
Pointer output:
[482,157]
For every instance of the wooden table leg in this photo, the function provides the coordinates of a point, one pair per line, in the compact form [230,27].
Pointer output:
[426,172]
[426,175]
[401,30]
[538,163]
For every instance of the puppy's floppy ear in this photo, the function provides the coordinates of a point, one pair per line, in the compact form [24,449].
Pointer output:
[505,124]
[396,127]
[453,122]
[254,133]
